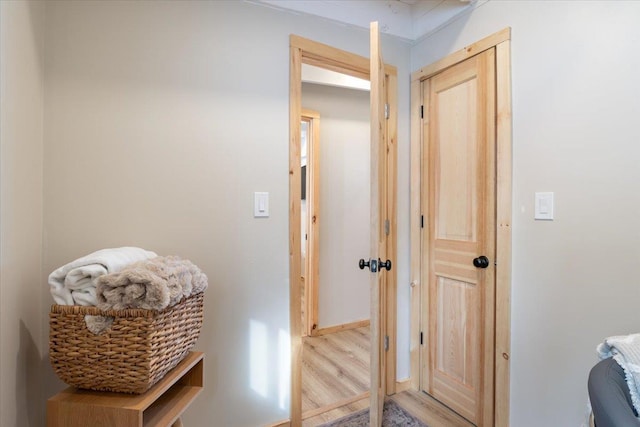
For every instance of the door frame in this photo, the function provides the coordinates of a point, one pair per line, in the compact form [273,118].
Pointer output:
[311,268]
[502,350]
[313,53]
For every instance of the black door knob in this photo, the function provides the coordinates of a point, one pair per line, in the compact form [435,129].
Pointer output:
[362,264]
[384,264]
[481,262]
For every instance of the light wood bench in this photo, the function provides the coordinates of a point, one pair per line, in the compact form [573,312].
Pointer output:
[160,406]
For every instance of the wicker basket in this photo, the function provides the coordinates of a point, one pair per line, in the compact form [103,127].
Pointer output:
[139,348]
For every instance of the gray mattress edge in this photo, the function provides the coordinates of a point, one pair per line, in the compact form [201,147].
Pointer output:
[610,397]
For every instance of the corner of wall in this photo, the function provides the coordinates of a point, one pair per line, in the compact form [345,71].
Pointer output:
[21,214]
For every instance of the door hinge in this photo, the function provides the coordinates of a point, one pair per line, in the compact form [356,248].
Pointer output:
[422,111]
[386,343]
[421,339]
[386,227]
[421,221]
[386,111]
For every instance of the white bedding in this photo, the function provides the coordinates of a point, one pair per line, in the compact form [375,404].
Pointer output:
[75,283]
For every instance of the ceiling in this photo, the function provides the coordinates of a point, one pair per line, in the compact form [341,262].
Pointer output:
[407,19]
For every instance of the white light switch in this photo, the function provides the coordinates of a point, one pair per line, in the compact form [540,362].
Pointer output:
[544,206]
[260,204]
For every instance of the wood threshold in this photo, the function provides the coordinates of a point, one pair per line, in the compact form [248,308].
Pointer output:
[338,328]
[429,410]
[344,402]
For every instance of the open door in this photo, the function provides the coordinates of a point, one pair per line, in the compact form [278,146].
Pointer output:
[383,92]
[379,265]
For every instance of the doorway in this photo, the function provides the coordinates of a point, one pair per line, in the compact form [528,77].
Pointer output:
[335,170]
[335,208]
[309,52]
[461,239]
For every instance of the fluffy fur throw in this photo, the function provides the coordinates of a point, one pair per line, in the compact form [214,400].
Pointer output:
[152,284]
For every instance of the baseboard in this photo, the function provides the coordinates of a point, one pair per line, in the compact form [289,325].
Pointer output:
[403,385]
[284,423]
[339,328]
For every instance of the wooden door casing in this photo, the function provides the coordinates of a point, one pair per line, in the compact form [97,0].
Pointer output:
[500,41]
[310,263]
[459,206]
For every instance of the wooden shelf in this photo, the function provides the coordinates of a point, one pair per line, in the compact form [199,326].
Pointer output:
[163,410]
[160,406]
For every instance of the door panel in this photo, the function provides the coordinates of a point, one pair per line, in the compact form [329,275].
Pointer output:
[459,141]
[457,186]
[456,332]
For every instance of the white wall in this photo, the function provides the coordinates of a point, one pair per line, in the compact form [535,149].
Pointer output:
[575,132]
[322,76]
[161,120]
[21,130]
[343,294]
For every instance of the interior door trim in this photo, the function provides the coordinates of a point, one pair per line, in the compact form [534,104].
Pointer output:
[313,220]
[502,350]
[310,52]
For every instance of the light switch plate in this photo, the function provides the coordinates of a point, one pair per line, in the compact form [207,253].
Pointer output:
[544,206]
[260,204]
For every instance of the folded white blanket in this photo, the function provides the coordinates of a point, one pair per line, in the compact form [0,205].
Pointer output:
[75,283]
[625,349]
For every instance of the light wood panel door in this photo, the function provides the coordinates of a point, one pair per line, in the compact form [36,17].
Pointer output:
[458,208]
[378,99]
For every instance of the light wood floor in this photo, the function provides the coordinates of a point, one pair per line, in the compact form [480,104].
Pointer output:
[335,383]
[335,371]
